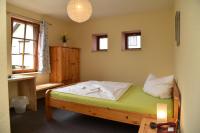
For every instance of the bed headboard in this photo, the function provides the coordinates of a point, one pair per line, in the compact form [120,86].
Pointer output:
[176,100]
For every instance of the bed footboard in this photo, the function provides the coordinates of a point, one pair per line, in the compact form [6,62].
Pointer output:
[132,118]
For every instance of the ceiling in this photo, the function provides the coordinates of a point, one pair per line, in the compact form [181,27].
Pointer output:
[101,8]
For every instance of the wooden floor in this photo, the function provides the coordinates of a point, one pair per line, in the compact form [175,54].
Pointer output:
[65,122]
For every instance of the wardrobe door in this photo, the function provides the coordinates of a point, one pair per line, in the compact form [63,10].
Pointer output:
[74,65]
[65,65]
[56,64]
[77,66]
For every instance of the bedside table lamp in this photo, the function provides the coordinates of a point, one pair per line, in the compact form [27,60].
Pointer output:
[161,113]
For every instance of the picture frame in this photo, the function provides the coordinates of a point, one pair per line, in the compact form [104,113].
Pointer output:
[177,28]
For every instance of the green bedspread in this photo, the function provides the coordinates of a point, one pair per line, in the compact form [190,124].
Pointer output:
[134,100]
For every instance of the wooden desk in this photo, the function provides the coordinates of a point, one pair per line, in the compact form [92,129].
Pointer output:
[26,87]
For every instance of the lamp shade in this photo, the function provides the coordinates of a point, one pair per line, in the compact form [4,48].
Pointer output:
[161,113]
[79,10]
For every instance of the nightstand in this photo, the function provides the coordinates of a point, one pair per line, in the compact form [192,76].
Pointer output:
[145,126]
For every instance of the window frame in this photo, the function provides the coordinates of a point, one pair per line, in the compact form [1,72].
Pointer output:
[25,22]
[98,37]
[126,36]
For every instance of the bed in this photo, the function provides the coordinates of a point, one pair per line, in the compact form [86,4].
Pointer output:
[130,108]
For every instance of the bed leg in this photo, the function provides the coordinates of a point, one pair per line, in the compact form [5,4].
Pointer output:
[48,109]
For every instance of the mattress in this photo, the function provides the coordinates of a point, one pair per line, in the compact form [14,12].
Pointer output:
[134,100]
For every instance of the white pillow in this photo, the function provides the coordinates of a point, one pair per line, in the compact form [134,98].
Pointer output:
[150,77]
[159,87]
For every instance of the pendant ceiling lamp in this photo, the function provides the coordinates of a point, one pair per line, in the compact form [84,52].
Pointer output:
[79,10]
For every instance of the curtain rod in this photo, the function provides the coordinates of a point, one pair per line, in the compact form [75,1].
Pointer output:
[25,17]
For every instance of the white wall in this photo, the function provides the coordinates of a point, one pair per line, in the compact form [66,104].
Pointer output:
[156,55]
[187,64]
[4,109]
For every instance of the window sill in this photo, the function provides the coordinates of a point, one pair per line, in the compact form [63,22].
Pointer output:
[99,50]
[28,73]
[132,49]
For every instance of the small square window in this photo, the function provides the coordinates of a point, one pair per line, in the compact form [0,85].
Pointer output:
[102,42]
[132,40]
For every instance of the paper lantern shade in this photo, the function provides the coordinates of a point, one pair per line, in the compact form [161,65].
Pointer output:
[79,10]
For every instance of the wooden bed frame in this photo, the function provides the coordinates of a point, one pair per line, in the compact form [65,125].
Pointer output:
[107,113]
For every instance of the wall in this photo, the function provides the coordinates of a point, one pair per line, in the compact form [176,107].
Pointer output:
[4,110]
[56,30]
[156,55]
[187,64]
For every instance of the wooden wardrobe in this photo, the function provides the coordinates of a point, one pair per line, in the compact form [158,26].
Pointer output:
[65,64]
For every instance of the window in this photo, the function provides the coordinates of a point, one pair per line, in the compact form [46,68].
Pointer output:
[100,42]
[24,45]
[132,40]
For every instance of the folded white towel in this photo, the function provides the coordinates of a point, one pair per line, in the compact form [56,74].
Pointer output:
[98,89]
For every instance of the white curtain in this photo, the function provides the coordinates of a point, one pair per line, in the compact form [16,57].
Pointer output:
[44,58]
